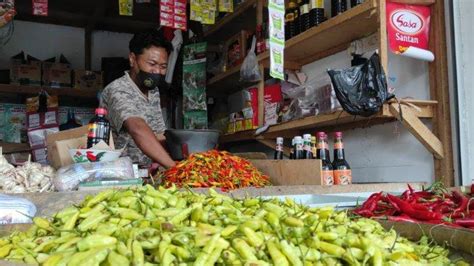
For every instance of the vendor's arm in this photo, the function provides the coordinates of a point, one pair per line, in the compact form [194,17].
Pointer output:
[147,142]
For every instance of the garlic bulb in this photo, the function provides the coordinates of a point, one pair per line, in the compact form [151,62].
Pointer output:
[30,177]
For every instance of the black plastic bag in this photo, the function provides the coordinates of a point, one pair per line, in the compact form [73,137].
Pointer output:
[362,89]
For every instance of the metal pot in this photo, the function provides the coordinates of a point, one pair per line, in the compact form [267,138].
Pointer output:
[183,142]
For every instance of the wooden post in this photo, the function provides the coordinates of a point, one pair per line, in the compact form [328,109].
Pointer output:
[439,89]
[261,97]
[99,12]
[261,84]
[259,12]
[382,34]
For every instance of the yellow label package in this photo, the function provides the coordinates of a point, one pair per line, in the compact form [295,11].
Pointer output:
[226,6]
[126,7]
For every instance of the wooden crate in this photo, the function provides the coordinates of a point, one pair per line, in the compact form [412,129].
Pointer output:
[291,172]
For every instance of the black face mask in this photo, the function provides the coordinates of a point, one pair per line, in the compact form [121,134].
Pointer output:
[151,81]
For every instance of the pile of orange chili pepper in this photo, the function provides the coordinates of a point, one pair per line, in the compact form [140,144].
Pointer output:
[215,169]
[435,205]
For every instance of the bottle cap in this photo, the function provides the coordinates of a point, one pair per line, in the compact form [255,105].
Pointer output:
[338,134]
[321,135]
[307,136]
[298,139]
[313,138]
[279,140]
[101,111]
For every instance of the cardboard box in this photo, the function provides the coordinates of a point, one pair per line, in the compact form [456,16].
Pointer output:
[25,74]
[56,75]
[272,94]
[291,172]
[85,79]
[59,144]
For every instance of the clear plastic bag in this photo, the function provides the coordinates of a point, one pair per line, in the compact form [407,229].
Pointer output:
[303,102]
[15,210]
[69,177]
[250,72]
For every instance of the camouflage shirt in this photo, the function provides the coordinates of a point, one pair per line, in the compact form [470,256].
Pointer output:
[123,99]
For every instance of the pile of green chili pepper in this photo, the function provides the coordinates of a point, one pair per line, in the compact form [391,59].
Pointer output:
[215,169]
[148,226]
[435,205]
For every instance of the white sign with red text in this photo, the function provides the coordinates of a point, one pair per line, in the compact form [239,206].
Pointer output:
[408,28]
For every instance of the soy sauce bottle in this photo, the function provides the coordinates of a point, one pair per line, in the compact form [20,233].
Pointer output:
[297,17]
[316,12]
[299,152]
[356,2]
[313,146]
[338,7]
[99,128]
[304,16]
[292,149]
[290,26]
[308,154]
[279,149]
[322,153]
[342,170]
[71,121]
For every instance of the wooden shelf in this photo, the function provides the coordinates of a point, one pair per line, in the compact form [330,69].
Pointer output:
[32,90]
[229,82]
[335,121]
[330,37]
[333,35]
[242,18]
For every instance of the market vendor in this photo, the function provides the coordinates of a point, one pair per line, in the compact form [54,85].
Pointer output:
[133,101]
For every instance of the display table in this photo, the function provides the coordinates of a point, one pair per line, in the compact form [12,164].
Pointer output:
[51,202]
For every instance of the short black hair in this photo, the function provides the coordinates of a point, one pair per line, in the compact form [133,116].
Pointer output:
[146,39]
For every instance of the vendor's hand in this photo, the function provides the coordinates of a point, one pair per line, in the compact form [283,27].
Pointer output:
[155,168]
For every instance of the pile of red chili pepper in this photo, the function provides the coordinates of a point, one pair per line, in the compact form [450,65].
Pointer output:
[215,169]
[434,205]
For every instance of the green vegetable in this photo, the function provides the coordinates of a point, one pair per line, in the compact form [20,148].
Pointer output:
[145,226]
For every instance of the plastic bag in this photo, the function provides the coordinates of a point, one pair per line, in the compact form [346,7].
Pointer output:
[15,210]
[303,102]
[362,89]
[250,72]
[69,177]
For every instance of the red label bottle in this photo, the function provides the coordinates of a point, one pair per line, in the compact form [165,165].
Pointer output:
[342,170]
[99,128]
[322,153]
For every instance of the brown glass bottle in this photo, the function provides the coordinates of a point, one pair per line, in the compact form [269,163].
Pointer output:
[290,30]
[342,170]
[299,152]
[308,153]
[298,17]
[316,12]
[322,153]
[99,128]
[313,146]
[356,2]
[338,7]
[279,149]
[292,149]
[304,16]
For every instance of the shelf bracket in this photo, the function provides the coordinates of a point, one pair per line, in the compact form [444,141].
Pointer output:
[411,121]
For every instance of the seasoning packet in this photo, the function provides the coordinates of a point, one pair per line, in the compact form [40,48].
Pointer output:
[126,7]
[226,6]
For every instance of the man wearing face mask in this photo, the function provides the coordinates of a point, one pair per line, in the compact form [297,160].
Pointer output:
[133,101]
